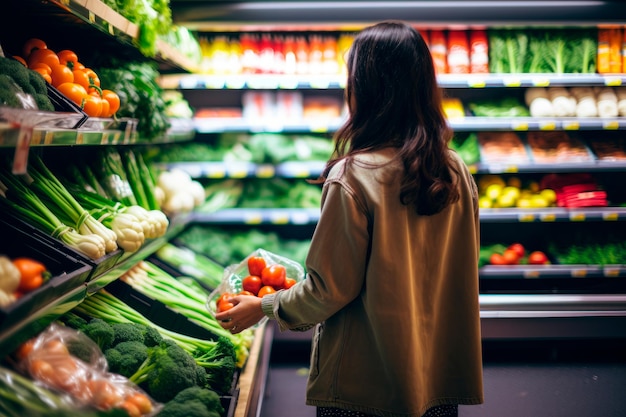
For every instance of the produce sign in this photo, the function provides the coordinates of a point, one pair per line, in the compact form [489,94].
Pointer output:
[261,273]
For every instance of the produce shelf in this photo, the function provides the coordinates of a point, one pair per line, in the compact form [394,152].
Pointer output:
[303,82]
[552,214]
[552,271]
[235,124]
[289,216]
[92,22]
[533,168]
[219,170]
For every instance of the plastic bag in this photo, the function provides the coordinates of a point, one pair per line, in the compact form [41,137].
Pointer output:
[232,280]
[67,361]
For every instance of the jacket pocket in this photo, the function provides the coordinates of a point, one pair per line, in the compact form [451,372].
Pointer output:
[314,365]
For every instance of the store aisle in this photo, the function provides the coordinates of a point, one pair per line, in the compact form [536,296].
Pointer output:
[571,379]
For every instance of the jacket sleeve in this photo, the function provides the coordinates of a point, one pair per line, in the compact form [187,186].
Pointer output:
[335,264]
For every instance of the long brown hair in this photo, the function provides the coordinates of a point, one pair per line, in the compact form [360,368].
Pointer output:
[394,100]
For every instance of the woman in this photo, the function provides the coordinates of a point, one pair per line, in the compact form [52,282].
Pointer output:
[392,274]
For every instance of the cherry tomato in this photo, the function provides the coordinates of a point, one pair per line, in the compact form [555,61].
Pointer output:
[224,306]
[510,257]
[252,283]
[61,74]
[265,290]
[74,92]
[289,282]
[274,275]
[32,44]
[496,259]
[518,248]
[256,264]
[113,99]
[538,258]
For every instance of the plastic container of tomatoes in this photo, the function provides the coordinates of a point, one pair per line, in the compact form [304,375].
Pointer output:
[260,273]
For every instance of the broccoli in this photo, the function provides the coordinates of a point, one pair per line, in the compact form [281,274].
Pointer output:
[219,363]
[18,72]
[38,83]
[193,402]
[100,332]
[168,370]
[126,357]
[151,336]
[9,90]
[125,332]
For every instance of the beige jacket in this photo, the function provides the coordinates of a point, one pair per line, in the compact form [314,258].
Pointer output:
[396,295]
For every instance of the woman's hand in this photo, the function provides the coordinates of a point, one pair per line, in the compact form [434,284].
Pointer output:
[246,312]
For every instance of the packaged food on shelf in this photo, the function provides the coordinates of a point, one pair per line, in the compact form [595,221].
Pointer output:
[502,147]
[557,147]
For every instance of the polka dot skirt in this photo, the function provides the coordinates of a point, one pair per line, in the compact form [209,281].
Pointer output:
[439,411]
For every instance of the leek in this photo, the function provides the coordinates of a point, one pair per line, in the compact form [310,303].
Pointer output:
[25,204]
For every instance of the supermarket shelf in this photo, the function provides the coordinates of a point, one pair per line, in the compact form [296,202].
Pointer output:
[219,170]
[275,216]
[534,168]
[552,271]
[235,124]
[94,23]
[450,81]
[552,316]
[553,214]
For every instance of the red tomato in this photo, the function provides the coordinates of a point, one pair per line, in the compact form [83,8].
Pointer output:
[274,275]
[538,258]
[252,283]
[497,259]
[518,248]
[267,289]
[224,306]
[245,293]
[289,282]
[511,257]
[256,265]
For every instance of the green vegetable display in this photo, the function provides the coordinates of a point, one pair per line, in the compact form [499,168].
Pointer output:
[17,81]
[198,266]
[193,402]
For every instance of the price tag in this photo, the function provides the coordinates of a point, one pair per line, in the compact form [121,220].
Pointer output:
[611,272]
[92,17]
[512,82]
[477,83]
[302,173]
[571,125]
[579,273]
[519,125]
[253,218]
[547,125]
[547,217]
[49,138]
[321,127]
[610,217]
[531,274]
[577,217]
[215,171]
[610,125]
[541,82]
[238,172]
[80,138]
[510,169]
[320,84]
[279,218]
[473,169]
[612,81]
[20,158]
[265,171]
[526,217]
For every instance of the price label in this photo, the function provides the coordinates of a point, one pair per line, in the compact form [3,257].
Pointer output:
[253,218]
[319,127]
[541,82]
[80,138]
[519,126]
[526,217]
[92,17]
[533,273]
[610,125]
[110,29]
[302,173]
[547,125]
[579,273]
[473,169]
[577,217]
[265,171]
[512,82]
[547,217]
[612,81]
[320,84]
[611,272]
[571,125]
[610,217]
[238,172]
[215,171]
[476,83]
[279,218]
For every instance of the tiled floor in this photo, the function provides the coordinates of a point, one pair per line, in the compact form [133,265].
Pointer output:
[545,382]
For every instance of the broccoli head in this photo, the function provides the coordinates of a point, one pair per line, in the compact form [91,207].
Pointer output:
[101,332]
[9,92]
[126,357]
[193,402]
[126,332]
[151,336]
[18,72]
[219,364]
[168,370]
